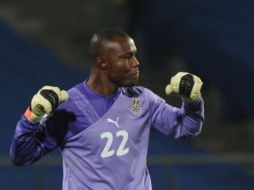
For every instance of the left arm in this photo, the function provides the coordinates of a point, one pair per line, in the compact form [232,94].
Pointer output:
[181,122]
[186,121]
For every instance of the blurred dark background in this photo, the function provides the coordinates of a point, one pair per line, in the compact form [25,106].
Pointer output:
[45,42]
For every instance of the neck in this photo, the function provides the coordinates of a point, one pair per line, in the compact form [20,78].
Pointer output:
[101,85]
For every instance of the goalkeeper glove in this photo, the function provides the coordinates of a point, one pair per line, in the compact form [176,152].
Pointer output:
[45,102]
[186,85]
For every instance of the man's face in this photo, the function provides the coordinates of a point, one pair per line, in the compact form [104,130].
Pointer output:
[122,64]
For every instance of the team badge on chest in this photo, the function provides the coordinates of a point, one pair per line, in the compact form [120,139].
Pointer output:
[135,107]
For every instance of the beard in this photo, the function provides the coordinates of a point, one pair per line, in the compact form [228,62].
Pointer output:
[128,81]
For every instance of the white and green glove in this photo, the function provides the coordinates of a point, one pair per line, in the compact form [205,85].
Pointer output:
[185,85]
[45,101]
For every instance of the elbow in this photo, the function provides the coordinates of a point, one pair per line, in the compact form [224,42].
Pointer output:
[192,131]
[197,130]
[17,161]
[197,126]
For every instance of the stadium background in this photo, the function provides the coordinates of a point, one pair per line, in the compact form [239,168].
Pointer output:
[45,42]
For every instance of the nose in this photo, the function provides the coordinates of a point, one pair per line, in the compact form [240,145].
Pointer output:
[135,62]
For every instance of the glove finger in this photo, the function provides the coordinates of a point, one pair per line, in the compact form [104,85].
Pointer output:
[197,80]
[40,105]
[173,87]
[197,84]
[196,89]
[168,89]
[180,74]
[46,105]
[55,89]
[63,96]
[175,81]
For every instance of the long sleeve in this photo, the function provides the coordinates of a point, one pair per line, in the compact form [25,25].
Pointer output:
[181,122]
[30,142]
[192,118]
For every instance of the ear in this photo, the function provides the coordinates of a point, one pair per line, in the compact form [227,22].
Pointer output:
[101,63]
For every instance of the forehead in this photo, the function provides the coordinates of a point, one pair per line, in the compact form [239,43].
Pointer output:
[121,45]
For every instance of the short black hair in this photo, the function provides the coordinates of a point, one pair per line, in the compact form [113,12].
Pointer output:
[99,40]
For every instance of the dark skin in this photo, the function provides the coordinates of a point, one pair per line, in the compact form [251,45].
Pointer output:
[118,66]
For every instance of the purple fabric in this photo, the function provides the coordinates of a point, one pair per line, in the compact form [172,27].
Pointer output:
[106,147]
[100,103]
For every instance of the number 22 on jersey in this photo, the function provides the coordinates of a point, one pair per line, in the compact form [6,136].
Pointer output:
[121,150]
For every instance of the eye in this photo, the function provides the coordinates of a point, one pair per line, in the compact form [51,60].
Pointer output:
[128,56]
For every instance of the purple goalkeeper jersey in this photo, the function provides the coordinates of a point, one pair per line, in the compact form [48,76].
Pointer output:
[105,148]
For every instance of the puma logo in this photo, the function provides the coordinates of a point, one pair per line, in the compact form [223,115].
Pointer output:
[109,120]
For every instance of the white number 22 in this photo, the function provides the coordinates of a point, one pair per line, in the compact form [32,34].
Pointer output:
[122,150]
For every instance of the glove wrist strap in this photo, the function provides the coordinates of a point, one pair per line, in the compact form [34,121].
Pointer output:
[30,116]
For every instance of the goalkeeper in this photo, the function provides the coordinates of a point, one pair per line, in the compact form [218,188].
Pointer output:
[102,124]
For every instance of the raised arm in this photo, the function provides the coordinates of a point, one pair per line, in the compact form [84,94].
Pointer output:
[181,122]
[33,138]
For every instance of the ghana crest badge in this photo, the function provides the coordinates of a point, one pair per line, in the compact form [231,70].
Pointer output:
[135,107]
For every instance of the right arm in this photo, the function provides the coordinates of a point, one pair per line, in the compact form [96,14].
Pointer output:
[30,142]
[32,139]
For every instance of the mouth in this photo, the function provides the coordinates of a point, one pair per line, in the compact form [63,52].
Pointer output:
[131,78]
[136,72]
[135,76]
